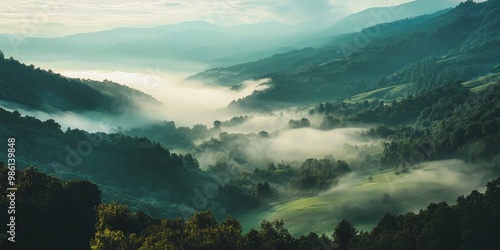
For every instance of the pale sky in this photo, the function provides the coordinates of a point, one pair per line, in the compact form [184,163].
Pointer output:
[60,17]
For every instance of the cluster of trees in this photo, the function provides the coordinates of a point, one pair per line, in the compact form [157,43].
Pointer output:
[119,229]
[302,123]
[70,215]
[232,148]
[237,120]
[469,130]
[169,135]
[425,107]
[277,173]
[50,214]
[470,224]
[421,109]
[449,121]
[114,160]
[320,174]
[47,91]
[173,137]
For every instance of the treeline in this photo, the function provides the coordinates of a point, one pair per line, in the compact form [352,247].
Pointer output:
[441,123]
[49,213]
[30,87]
[312,175]
[50,92]
[69,215]
[173,137]
[129,169]
[469,130]
[421,109]
[472,223]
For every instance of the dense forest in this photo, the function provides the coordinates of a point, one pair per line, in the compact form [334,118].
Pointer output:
[71,215]
[24,86]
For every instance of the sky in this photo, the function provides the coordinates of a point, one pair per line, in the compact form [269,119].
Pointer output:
[38,18]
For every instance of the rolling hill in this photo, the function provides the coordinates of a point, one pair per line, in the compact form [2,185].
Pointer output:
[36,89]
[428,51]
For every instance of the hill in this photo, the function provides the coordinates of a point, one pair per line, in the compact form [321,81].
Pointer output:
[37,89]
[84,222]
[426,51]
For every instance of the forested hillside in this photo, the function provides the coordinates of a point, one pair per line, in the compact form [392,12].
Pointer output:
[70,215]
[426,51]
[36,89]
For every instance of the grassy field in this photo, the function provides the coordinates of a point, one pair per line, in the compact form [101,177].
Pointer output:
[317,214]
[362,201]
[481,83]
[384,94]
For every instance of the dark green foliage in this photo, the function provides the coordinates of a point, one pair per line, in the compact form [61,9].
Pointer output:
[278,173]
[114,159]
[343,234]
[165,133]
[217,124]
[237,120]
[469,129]
[302,123]
[234,199]
[263,190]
[50,214]
[320,174]
[45,90]
[471,224]
[57,215]
[380,131]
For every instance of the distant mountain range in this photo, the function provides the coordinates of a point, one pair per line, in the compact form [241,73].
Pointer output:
[451,45]
[422,52]
[202,42]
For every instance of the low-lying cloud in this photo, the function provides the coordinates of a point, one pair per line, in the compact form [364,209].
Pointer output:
[285,145]
[187,102]
[435,182]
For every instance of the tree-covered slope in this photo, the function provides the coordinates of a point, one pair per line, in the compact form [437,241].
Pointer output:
[69,215]
[428,51]
[38,89]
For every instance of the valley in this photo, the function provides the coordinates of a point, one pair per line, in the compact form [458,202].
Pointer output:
[314,135]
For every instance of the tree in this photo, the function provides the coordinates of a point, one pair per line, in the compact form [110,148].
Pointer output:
[217,124]
[263,190]
[304,123]
[264,134]
[344,233]
[275,235]
[252,240]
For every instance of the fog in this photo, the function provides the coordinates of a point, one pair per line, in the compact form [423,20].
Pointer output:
[285,145]
[300,144]
[435,182]
[187,102]
[91,121]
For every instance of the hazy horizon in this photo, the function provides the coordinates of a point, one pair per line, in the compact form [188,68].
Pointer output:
[65,17]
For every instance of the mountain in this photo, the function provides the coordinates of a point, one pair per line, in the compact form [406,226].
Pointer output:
[200,42]
[197,41]
[378,15]
[448,46]
[37,89]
